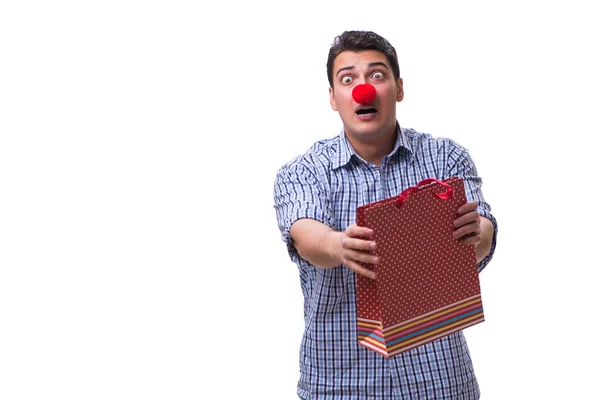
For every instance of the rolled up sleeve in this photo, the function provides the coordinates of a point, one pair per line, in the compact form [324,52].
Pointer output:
[463,166]
[299,194]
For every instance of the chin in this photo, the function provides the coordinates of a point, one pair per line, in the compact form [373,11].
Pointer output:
[366,131]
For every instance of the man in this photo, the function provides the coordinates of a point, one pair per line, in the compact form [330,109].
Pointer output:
[316,196]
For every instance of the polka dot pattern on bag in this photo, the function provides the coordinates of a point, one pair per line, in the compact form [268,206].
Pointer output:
[422,265]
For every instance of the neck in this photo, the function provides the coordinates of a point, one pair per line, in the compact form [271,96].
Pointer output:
[373,151]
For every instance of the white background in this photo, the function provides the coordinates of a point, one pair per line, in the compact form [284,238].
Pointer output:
[139,251]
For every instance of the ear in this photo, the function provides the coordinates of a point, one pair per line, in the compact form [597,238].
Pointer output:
[400,89]
[332,100]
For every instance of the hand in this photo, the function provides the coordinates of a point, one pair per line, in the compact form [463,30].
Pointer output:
[354,247]
[468,224]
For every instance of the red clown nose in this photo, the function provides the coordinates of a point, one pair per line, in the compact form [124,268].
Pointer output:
[364,93]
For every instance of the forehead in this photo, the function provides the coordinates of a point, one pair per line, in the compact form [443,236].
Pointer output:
[358,59]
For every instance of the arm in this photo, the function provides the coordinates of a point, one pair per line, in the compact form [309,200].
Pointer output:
[483,248]
[322,246]
[473,229]
[305,220]
[475,223]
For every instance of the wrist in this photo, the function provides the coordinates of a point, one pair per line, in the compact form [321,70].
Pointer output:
[331,242]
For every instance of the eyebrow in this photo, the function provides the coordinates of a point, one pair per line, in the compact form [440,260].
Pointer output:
[371,65]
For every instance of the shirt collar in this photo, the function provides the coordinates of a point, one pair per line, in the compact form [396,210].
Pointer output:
[345,150]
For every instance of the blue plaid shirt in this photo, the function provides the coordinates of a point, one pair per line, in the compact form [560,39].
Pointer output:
[327,184]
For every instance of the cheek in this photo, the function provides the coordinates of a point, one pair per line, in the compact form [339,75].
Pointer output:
[388,96]
[345,103]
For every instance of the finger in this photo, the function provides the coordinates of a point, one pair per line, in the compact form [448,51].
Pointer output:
[467,207]
[471,217]
[356,231]
[359,244]
[361,256]
[359,269]
[470,240]
[469,229]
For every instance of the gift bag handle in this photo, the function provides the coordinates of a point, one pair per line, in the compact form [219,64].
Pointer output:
[447,195]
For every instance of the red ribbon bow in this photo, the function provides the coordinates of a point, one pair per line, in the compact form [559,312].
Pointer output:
[447,195]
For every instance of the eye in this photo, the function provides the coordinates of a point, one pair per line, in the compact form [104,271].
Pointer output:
[346,80]
[377,75]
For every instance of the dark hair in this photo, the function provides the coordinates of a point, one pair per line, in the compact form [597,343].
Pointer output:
[359,41]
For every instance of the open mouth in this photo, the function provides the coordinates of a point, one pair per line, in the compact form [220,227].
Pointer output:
[366,111]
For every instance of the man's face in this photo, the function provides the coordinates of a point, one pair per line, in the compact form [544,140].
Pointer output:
[365,122]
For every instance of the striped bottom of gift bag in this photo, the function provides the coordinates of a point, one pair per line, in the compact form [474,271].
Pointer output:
[420,330]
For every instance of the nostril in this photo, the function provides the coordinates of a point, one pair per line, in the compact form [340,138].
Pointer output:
[364,93]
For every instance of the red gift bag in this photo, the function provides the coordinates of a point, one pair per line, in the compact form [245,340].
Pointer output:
[427,283]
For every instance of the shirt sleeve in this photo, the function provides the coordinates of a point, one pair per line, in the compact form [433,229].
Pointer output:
[299,194]
[461,165]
